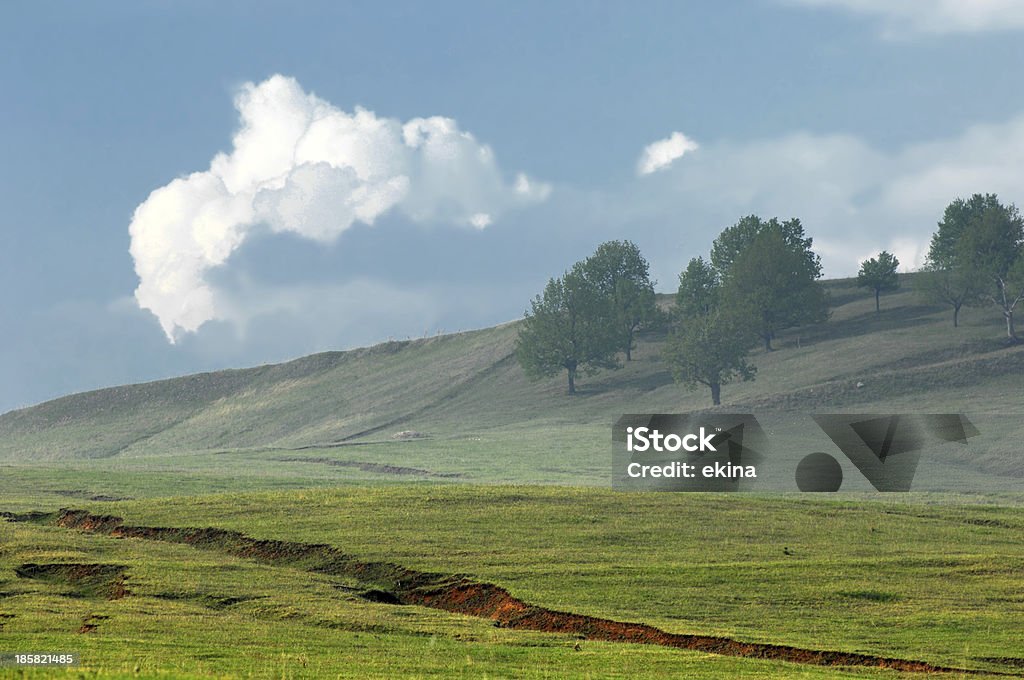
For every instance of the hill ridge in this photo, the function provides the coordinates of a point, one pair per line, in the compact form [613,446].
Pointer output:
[467,382]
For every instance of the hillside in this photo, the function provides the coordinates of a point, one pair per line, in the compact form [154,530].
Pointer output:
[908,356]
[267,521]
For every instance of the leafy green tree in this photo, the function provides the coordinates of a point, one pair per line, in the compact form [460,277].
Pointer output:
[879,275]
[774,277]
[951,285]
[956,220]
[569,327]
[711,343]
[992,248]
[621,273]
[698,289]
[711,350]
[951,275]
[739,237]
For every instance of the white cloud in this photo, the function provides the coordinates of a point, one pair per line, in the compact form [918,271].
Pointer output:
[300,165]
[937,17]
[528,187]
[661,154]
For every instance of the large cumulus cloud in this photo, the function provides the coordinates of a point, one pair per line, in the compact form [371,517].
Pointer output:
[301,165]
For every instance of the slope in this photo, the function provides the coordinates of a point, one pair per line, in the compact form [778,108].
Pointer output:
[909,356]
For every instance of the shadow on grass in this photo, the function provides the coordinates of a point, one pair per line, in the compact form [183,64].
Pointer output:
[866,324]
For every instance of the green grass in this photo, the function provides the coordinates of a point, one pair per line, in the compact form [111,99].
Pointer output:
[511,486]
[926,582]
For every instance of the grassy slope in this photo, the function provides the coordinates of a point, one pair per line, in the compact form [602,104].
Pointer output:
[485,421]
[908,355]
[871,577]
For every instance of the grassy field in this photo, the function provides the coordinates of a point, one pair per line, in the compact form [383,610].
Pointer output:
[508,485]
[929,582]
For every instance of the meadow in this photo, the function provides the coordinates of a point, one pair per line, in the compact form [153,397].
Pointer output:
[507,483]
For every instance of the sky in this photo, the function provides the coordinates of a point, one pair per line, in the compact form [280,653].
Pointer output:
[193,186]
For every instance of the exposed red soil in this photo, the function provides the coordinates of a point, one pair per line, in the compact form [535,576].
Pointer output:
[462,595]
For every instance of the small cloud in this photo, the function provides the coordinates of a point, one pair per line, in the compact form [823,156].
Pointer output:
[662,153]
[532,189]
[480,220]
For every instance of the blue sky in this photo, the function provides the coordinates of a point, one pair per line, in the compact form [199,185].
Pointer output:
[861,117]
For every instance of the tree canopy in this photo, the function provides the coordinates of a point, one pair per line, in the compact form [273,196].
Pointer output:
[992,248]
[698,289]
[977,256]
[948,276]
[951,285]
[773,277]
[878,274]
[739,237]
[620,273]
[571,327]
[711,341]
[956,220]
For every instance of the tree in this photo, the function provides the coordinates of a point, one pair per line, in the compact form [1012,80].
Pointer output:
[774,277]
[952,285]
[711,350]
[992,247]
[956,220]
[698,289]
[879,275]
[739,237]
[568,327]
[711,343]
[973,254]
[620,272]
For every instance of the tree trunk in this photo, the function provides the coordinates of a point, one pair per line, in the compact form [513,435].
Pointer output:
[572,379]
[956,316]
[878,305]
[716,394]
[1004,303]
[629,345]
[767,342]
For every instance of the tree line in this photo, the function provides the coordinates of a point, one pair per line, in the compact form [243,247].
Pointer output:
[761,276]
